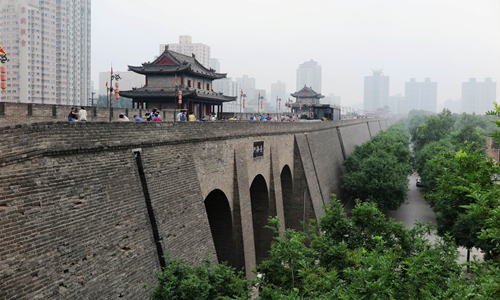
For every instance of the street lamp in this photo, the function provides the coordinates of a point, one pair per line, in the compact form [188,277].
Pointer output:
[3,69]
[116,77]
[309,105]
[278,100]
[288,105]
[241,101]
[259,101]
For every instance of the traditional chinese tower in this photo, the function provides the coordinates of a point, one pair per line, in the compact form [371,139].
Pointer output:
[308,103]
[178,81]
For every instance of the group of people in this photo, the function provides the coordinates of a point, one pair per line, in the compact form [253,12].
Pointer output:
[182,116]
[74,116]
[267,117]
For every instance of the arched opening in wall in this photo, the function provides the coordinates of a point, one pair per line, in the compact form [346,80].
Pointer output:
[221,225]
[287,196]
[259,195]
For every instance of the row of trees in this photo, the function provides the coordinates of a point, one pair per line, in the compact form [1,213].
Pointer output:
[362,257]
[450,158]
[377,171]
[461,182]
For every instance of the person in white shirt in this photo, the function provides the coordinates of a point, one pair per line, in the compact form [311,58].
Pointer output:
[82,115]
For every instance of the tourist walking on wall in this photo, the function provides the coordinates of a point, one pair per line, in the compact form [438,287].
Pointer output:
[192,118]
[181,117]
[82,114]
[72,115]
[121,118]
[157,118]
[147,115]
[137,118]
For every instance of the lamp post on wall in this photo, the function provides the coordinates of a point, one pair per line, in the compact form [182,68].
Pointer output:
[259,103]
[116,77]
[241,101]
[92,99]
[3,69]
[288,105]
[278,100]
[309,105]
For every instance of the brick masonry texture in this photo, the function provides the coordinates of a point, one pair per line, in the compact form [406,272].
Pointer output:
[73,217]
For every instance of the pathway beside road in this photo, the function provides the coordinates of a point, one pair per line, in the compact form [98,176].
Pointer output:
[414,208]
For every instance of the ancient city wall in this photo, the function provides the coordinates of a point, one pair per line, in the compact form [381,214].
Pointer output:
[17,113]
[85,208]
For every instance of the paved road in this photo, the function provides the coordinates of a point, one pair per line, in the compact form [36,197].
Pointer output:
[416,208]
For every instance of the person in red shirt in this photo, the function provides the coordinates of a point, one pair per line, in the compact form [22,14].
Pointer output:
[157,118]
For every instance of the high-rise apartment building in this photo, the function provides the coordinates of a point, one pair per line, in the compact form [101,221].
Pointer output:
[187,47]
[396,104]
[309,74]
[478,97]
[246,82]
[421,95]
[332,99]
[278,91]
[376,91]
[215,64]
[228,87]
[48,44]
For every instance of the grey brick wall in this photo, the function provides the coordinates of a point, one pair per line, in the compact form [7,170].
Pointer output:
[73,217]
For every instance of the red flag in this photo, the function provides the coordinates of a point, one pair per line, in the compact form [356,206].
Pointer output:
[2,51]
[106,84]
[111,69]
[242,91]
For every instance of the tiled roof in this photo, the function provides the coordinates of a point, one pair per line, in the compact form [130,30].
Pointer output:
[307,92]
[170,62]
[173,93]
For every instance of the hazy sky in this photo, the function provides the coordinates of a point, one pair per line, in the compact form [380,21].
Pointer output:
[446,40]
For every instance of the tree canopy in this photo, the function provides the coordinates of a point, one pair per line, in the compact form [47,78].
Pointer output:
[378,170]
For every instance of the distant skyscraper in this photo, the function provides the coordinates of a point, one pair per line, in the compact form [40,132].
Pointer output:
[478,97]
[186,47]
[331,99]
[215,64]
[228,87]
[376,92]
[48,44]
[278,90]
[246,82]
[396,104]
[421,95]
[309,74]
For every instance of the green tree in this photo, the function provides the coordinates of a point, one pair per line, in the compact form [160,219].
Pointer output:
[433,130]
[122,102]
[364,257]
[180,281]
[460,172]
[378,170]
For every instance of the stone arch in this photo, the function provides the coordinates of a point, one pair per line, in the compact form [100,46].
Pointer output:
[287,196]
[223,231]
[259,195]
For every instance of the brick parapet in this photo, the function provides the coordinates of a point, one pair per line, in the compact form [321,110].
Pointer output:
[52,138]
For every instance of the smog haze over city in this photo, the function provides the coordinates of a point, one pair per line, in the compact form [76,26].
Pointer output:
[448,41]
